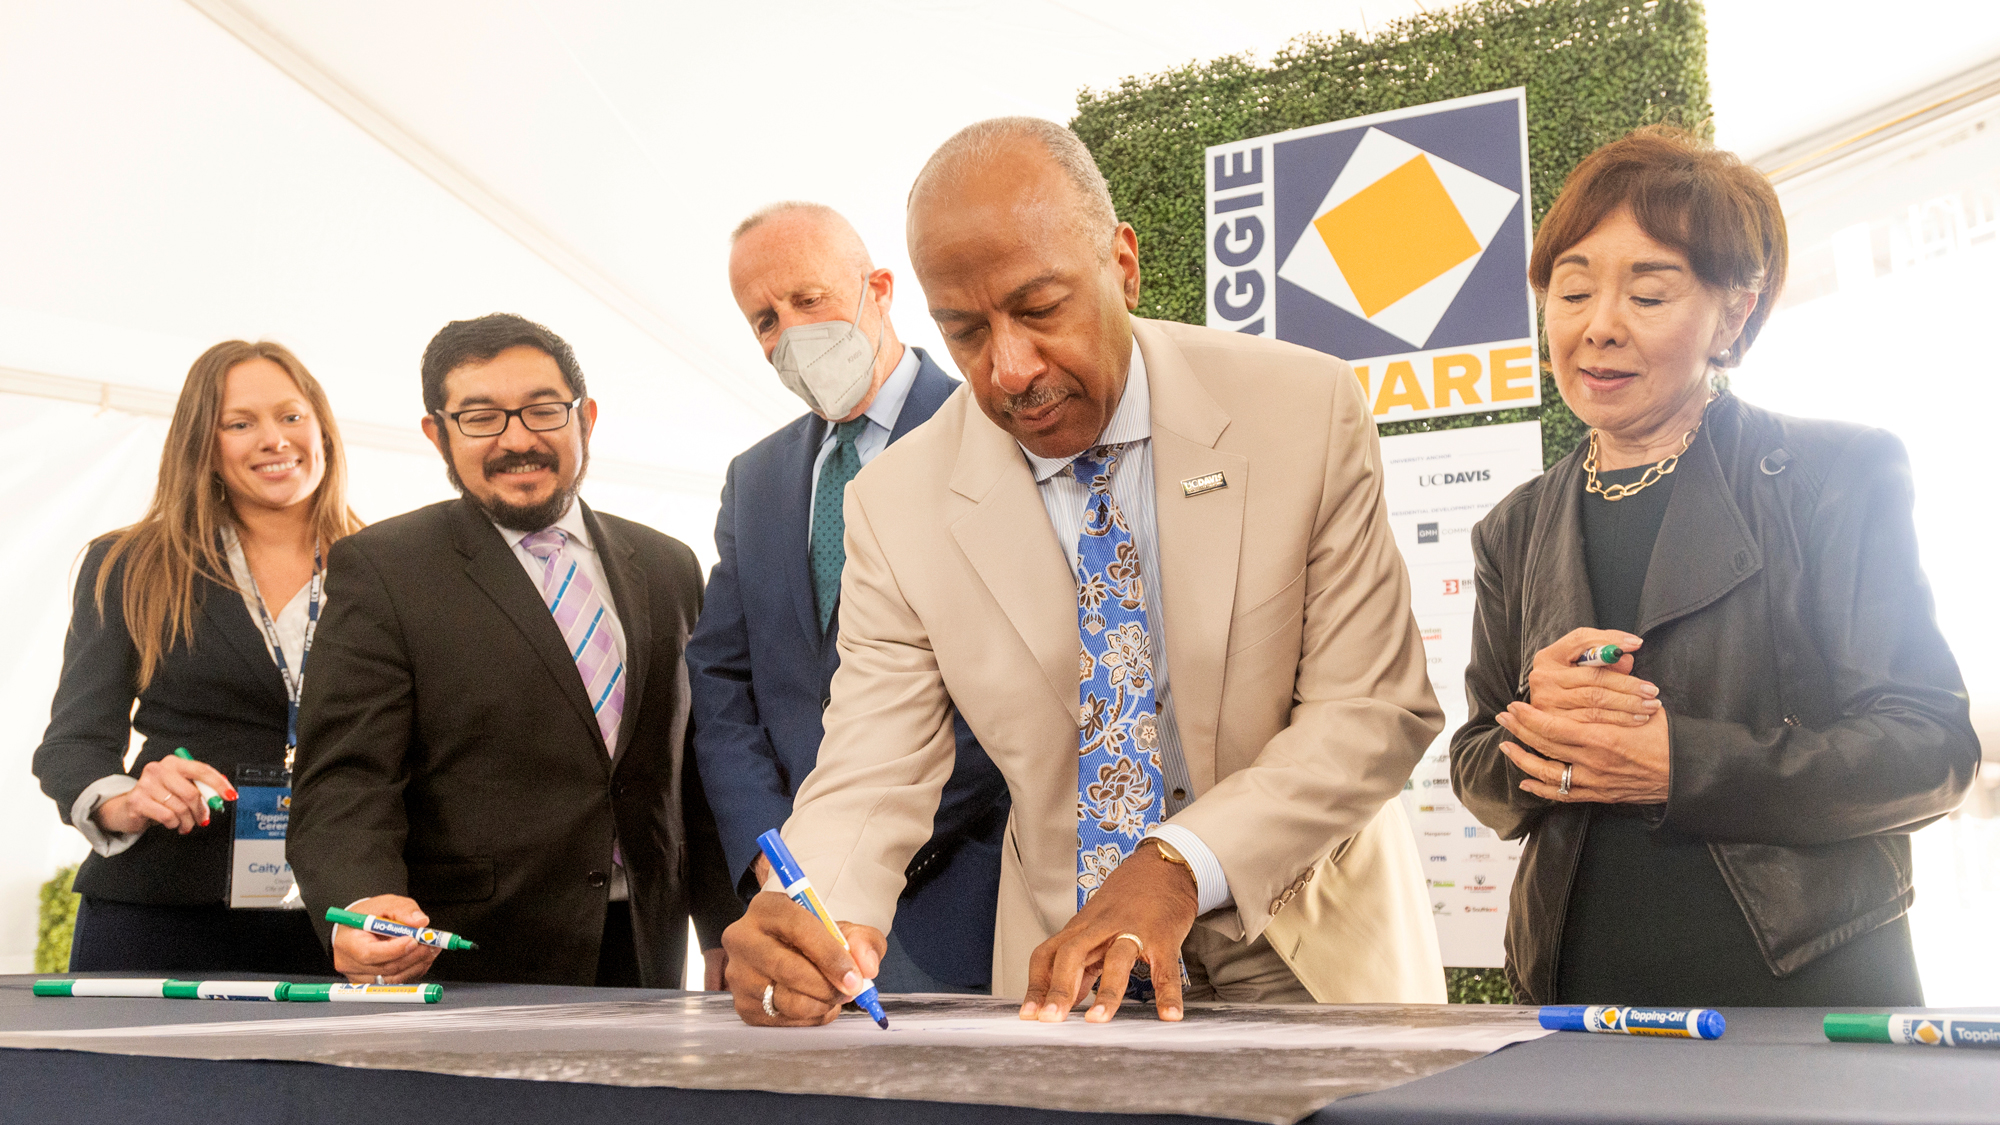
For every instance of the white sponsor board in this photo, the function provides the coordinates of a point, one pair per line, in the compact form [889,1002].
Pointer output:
[1437,486]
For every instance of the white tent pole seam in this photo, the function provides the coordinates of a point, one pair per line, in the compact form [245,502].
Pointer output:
[150,403]
[295,65]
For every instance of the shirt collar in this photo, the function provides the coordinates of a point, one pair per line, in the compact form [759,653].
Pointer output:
[1131,421]
[888,404]
[571,524]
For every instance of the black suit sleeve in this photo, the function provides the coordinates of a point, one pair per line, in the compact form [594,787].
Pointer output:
[1482,776]
[712,897]
[90,720]
[348,823]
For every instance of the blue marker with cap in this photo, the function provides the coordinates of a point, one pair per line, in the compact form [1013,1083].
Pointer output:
[1616,1019]
[801,890]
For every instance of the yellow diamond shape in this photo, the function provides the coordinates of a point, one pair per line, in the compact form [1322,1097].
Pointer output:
[1395,235]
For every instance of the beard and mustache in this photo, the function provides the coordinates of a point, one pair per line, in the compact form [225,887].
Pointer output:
[523,517]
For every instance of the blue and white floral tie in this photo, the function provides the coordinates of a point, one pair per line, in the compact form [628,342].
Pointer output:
[1120,791]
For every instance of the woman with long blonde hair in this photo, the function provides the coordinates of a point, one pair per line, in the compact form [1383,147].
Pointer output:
[203,613]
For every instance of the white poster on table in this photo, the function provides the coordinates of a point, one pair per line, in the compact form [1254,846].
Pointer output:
[1437,486]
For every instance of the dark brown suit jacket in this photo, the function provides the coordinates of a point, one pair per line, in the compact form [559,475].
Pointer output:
[447,752]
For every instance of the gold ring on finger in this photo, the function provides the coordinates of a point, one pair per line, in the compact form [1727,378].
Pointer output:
[1134,939]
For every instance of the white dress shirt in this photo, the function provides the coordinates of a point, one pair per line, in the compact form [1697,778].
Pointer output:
[1065,498]
[881,414]
[290,623]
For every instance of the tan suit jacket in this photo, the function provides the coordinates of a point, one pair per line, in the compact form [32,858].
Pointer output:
[1298,673]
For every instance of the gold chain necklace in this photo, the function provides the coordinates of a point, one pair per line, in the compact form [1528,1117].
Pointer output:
[1653,472]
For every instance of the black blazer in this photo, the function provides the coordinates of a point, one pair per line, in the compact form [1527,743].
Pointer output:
[1816,715]
[220,696]
[447,752]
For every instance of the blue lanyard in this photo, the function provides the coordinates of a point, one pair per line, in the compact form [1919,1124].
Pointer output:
[295,682]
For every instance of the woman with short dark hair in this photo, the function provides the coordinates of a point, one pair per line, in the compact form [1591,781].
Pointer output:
[1721,814]
[202,613]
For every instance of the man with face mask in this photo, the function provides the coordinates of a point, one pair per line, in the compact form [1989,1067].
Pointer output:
[763,656]
[496,744]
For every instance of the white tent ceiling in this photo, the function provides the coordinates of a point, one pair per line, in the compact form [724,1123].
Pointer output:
[383,166]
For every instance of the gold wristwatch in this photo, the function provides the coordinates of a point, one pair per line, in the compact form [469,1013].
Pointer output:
[1173,855]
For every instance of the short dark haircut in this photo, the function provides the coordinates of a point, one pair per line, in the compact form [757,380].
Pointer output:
[1705,203]
[480,339]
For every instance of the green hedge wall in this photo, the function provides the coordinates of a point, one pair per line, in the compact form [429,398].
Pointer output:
[56,922]
[1594,70]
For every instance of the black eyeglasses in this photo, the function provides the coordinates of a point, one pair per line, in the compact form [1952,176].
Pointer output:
[491,421]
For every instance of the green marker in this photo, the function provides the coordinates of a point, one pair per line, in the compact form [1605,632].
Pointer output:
[1600,657]
[423,935]
[167,989]
[103,986]
[367,993]
[208,794]
[1981,1029]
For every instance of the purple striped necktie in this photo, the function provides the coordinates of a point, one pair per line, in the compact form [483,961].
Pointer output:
[585,623]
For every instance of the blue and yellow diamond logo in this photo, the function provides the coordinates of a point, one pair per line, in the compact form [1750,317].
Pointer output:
[1397,235]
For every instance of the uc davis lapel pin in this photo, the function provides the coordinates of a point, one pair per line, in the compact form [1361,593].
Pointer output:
[1195,486]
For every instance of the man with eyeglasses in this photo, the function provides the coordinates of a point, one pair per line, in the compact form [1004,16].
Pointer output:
[495,741]
[762,659]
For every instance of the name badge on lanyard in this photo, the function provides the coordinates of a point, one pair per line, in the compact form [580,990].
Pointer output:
[258,873]
[259,876]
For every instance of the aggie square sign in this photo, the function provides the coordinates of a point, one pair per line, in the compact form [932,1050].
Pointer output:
[1397,241]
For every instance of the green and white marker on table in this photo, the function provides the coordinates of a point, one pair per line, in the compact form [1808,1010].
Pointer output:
[366,993]
[423,935]
[167,989]
[208,793]
[1914,1029]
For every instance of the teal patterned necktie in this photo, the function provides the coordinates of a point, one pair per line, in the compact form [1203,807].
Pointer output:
[1120,791]
[829,522]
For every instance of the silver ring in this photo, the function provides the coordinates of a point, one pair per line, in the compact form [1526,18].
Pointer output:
[1568,769]
[1134,939]
[770,989]
[379,980]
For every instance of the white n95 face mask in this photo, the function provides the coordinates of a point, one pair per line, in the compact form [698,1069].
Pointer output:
[831,365]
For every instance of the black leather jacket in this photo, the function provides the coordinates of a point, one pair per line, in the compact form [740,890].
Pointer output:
[1816,716]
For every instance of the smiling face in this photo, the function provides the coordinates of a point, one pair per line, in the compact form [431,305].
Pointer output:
[524,479]
[1034,306]
[1632,332]
[269,450]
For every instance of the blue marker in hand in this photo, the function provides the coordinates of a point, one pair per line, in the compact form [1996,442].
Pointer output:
[801,889]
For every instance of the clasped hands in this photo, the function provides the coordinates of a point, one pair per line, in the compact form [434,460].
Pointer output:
[810,976]
[1607,725]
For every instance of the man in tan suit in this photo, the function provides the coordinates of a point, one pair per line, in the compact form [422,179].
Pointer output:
[1244,827]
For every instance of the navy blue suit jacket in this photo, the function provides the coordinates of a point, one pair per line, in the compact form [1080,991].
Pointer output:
[761,674]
